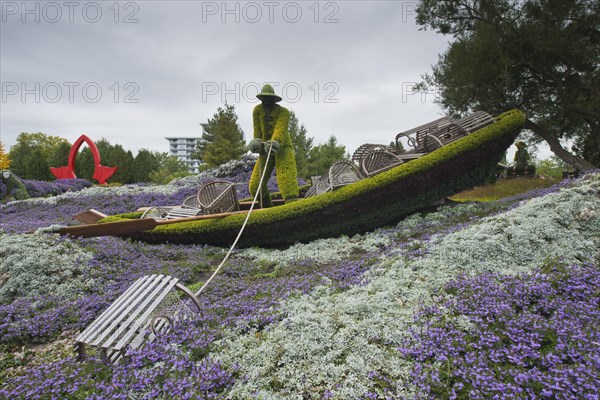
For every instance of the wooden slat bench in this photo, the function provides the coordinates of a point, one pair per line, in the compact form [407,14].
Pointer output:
[377,162]
[137,316]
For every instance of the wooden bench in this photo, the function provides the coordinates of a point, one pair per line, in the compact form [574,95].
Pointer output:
[183,212]
[163,213]
[341,173]
[217,197]
[377,162]
[147,308]
[367,148]
[420,132]
[442,131]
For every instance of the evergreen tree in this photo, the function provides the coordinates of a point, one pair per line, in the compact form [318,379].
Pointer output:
[321,157]
[84,164]
[302,144]
[121,159]
[223,140]
[104,148]
[60,157]
[398,147]
[37,167]
[144,163]
[4,160]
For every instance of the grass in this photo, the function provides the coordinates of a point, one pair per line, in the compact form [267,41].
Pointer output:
[504,188]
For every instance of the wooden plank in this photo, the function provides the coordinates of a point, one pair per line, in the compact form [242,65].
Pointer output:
[117,308]
[132,311]
[90,216]
[110,229]
[101,321]
[149,305]
[200,217]
[123,228]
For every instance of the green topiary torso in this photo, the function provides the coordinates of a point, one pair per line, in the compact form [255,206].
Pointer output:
[268,126]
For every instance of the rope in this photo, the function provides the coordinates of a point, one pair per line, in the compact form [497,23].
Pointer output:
[262,176]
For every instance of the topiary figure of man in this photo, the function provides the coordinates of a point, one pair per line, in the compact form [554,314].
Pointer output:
[14,187]
[522,166]
[271,123]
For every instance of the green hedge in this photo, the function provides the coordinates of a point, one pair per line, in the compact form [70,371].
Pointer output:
[364,205]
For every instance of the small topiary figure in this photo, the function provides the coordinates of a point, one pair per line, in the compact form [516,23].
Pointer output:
[522,166]
[271,123]
[14,187]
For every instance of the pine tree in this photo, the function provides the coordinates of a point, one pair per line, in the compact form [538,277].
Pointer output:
[144,163]
[121,159]
[302,144]
[84,164]
[324,155]
[37,167]
[60,157]
[223,140]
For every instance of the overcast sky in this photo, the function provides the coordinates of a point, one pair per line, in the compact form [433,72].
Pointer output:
[137,72]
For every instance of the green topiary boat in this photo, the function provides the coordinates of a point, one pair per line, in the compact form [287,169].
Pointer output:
[372,202]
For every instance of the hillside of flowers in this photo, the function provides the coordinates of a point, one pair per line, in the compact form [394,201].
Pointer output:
[472,301]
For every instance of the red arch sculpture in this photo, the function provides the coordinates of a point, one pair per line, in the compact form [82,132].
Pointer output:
[101,173]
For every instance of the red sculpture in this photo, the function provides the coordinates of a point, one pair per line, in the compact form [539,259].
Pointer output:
[101,173]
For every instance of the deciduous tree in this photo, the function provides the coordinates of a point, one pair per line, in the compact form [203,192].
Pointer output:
[540,56]
[22,153]
[4,160]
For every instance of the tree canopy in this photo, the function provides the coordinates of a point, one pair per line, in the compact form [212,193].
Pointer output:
[4,160]
[223,140]
[28,150]
[541,56]
[170,167]
[302,144]
[324,155]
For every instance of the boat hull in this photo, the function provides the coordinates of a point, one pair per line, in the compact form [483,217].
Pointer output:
[373,202]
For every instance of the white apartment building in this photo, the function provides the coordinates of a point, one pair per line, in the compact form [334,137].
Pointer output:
[182,147]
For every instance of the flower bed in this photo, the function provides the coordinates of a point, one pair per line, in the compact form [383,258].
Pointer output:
[317,320]
[507,337]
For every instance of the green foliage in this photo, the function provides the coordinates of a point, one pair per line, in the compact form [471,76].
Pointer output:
[104,148]
[551,168]
[284,161]
[321,157]
[123,160]
[22,154]
[302,145]
[588,148]
[4,160]
[334,213]
[223,140]
[60,156]
[84,164]
[37,167]
[170,167]
[399,147]
[144,163]
[537,55]
[14,184]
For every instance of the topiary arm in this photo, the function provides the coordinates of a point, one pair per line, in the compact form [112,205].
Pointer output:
[256,116]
